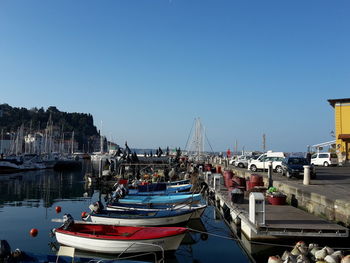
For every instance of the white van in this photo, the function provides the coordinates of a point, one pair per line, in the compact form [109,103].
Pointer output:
[325,159]
[262,162]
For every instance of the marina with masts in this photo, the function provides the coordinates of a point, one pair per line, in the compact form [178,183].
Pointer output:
[170,190]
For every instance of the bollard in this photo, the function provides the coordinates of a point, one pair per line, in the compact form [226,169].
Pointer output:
[269,173]
[306,175]
[217,181]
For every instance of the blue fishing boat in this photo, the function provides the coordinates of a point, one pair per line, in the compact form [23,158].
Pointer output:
[140,217]
[156,187]
[178,189]
[135,192]
[197,209]
[185,181]
[160,199]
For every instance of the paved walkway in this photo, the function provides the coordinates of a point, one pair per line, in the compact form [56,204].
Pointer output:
[332,182]
[328,195]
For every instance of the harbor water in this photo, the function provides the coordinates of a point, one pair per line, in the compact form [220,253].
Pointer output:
[28,200]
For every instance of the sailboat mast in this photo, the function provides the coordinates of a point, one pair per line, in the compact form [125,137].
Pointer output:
[72,142]
[2,139]
[101,139]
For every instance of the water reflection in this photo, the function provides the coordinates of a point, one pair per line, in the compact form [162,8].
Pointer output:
[27,201]
[46,185]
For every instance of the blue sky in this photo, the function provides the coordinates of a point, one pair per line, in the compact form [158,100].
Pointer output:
[147,68]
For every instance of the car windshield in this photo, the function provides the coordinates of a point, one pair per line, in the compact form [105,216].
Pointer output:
[297,161]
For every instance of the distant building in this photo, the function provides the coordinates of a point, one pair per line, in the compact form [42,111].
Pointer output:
[34,143]
[342,127]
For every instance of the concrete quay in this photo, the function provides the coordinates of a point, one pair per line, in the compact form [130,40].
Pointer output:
[280,221]
[327,196]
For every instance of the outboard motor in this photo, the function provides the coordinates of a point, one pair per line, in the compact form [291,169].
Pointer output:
[204,187]
[96,207]
[68,221]
[120,192]
[5,249]
[125,191]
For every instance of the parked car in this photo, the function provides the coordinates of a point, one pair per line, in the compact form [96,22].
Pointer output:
[325,159]
[232,160]
[242,161]
[294,167]
[262,162]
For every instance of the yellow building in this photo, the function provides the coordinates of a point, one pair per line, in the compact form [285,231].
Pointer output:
[342,127]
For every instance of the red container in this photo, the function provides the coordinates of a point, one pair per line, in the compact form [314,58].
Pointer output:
[276,200]
[239,181]
[207,167]
[228,178]
[247,185]
[229,183]
[256,178]
[251,185]
[123,181]
[218,169]
[228,174]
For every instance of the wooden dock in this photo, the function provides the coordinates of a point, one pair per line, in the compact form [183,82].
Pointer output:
[280,221]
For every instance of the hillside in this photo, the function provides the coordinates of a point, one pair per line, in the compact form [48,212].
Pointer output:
[36,120]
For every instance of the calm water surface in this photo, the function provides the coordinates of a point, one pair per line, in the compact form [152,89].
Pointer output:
[28,200]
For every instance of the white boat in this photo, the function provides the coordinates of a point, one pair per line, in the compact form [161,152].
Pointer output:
[197,209]
[21,164]
[117,239]
[141,218]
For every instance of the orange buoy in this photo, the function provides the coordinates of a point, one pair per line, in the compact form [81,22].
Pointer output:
[83,214]
[33,232]
[58,209]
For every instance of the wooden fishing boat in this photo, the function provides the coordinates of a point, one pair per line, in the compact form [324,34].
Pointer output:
[141,218]
[160,199]
[118,239]
[197,209]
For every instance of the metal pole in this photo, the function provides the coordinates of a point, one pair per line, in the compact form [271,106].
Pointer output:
[270,174]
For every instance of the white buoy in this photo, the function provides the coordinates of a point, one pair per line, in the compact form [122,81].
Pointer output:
[321,254]
[286,255]
[329,250]
[338,254]
[313,248]
[302,259]
[345,259]
[331,259]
